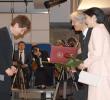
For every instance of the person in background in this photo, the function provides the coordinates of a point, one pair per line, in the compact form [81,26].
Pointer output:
[78,22]
[60,43]
[98,62]
[73,42]
[18,27]
[21,58]
[39,58]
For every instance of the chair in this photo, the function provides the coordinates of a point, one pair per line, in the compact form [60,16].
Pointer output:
[28,47]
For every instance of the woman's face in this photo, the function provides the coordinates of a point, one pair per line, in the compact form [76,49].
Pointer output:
[89,21]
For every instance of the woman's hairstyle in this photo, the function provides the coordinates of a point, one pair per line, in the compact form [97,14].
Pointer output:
[100,15]
[72,42]
[60,42]
[97,12]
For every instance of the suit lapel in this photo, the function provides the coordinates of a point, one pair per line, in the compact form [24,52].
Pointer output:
[87,38]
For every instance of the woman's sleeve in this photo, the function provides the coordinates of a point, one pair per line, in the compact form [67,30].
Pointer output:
[97,38]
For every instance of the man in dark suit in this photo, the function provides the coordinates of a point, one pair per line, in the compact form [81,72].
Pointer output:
[84,40]
[78,21]
[40,73]
[19,25]
[21,61]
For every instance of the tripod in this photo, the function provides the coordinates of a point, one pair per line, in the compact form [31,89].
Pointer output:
[19,78]
[63,75]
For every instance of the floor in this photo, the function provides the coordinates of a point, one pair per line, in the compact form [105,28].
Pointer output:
[72,92]
[47,94]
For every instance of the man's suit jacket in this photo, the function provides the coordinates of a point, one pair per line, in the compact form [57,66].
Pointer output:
[84,44]
[27,60]
[6,51]
[26,70]
[43,56]
[16,56]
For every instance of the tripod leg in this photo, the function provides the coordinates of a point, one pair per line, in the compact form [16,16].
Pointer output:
[64,85]
[21,82]
[73,78]
[32,80]
[23,85]
[13,81]
[56,90]
[58,83]
[64,89]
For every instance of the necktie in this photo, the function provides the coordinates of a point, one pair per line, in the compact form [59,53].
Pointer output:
[20,58]
[83,37]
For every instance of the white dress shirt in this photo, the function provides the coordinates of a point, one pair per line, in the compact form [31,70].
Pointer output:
[22,56]
[85,33]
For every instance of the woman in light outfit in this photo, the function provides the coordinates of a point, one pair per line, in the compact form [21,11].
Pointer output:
[98,61]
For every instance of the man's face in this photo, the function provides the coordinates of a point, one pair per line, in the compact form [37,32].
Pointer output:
[37,52]
[18,31]
[77,24]
[21,46]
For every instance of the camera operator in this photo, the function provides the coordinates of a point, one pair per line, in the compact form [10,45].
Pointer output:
[21,60]
[38,57]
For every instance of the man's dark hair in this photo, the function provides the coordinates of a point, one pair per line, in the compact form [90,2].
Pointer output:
[21,42]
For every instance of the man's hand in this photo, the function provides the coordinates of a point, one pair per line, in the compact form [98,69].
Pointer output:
[81,66]
[24,65]
[11,71]
[13,68]
[71,70]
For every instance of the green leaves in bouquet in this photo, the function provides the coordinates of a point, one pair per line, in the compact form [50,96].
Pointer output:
[58,67]
[73,62]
